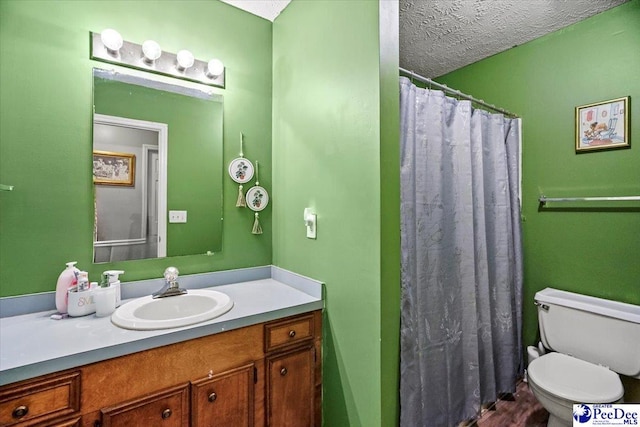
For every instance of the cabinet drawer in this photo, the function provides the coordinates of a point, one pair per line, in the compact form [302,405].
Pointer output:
[166,408]
[288,332]
[41,400]
[73,422]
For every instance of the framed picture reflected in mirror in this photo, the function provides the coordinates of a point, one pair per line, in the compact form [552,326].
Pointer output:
[110,168]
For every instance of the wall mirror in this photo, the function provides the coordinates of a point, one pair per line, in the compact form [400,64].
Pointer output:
[157,169]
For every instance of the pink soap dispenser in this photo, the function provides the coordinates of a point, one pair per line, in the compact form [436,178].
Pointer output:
[68,278]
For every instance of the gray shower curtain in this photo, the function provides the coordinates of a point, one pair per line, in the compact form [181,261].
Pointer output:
[461,257]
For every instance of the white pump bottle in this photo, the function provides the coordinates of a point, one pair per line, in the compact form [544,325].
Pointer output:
[114,281]
[108,295]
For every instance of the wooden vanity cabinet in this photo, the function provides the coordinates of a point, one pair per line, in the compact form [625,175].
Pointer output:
[259,375]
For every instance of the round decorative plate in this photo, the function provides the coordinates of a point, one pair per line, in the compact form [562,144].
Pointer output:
[241,170]
[257,198]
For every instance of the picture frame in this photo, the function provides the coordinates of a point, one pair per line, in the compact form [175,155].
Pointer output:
[603,125]
[110,168]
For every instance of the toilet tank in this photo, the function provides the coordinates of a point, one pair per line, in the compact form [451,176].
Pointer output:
[597,330]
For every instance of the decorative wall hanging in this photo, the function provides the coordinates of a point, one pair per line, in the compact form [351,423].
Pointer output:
[241,171]
[603,125]
[257,200]
[114,168]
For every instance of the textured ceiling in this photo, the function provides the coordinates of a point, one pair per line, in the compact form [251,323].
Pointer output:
[438,36]
[268,9]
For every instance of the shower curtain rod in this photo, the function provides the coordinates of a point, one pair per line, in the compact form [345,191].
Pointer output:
[457,93]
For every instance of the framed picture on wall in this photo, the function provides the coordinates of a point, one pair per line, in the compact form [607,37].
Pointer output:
[111,168]
[603,125]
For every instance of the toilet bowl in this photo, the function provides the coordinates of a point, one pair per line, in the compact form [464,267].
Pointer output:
[558,381]
[592,341]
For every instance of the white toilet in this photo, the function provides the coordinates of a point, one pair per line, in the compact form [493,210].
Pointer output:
[591,339]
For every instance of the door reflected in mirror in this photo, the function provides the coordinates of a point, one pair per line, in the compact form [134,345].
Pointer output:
[156,147]
[130,178]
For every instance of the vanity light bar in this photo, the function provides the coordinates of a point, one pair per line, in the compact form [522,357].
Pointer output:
[132,55]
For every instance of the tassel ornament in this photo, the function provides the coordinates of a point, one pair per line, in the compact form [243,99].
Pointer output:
[257,229]
[257,199]
[241,171]
[241,202]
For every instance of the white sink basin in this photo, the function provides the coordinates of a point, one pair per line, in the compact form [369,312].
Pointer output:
[195,306]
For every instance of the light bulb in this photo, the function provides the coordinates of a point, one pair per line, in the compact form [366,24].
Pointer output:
[151,50]
[215,68]
[111,39]
[185,59]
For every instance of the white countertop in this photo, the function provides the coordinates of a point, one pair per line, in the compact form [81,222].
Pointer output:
[34,344]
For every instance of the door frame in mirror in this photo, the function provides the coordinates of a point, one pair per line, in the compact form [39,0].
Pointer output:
[163,134]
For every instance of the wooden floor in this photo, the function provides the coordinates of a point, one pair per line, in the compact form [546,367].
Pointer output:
[523,411]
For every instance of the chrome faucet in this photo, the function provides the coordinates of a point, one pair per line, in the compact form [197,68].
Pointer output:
[171,287]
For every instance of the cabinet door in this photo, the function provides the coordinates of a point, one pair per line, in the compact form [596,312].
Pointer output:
[290,388]
[225,399]
[167,408]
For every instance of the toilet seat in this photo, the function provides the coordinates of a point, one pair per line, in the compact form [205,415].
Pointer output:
[574,379]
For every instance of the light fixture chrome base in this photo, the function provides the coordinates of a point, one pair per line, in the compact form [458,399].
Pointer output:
[130,55]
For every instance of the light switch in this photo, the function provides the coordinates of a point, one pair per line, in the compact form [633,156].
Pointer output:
[177,216]
[310,221]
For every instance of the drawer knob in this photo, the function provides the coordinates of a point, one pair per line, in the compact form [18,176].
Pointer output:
[212,397]
[283,371]
[20,411]
[292,333]
[166,413]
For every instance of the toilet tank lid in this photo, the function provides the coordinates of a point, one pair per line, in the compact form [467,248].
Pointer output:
[605,307]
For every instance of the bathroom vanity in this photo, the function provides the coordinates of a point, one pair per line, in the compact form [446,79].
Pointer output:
[257,365]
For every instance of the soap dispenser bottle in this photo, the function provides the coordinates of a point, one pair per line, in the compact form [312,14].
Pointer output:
[105,297]
[112,276]
[67,279]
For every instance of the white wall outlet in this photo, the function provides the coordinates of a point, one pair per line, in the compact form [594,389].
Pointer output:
[177,217]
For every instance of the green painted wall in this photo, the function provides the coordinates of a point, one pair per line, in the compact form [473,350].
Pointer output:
[593,249]
[45,129]
[333,152]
